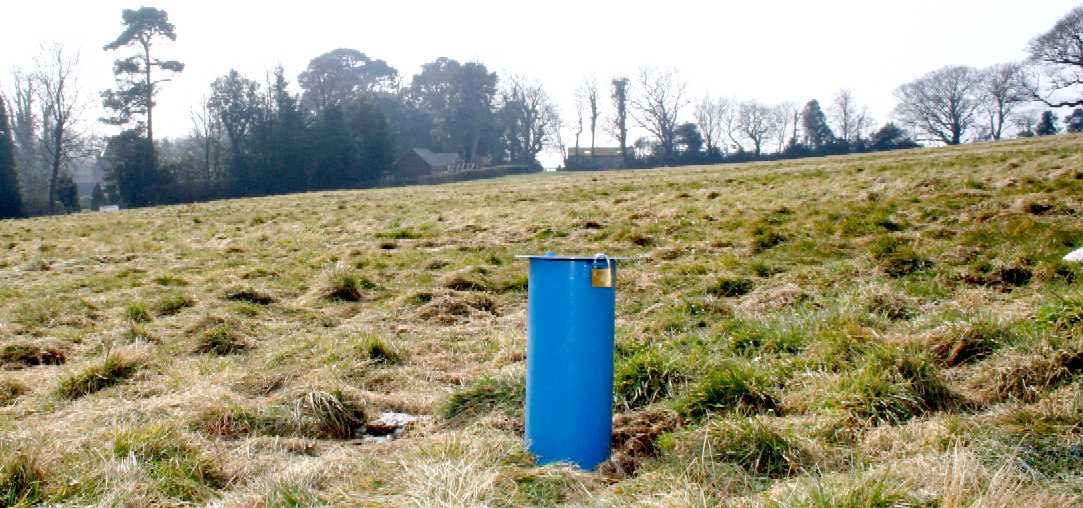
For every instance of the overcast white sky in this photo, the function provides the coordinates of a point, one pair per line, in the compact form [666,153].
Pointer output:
[771,50]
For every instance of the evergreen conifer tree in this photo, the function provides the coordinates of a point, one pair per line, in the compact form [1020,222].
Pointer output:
[11,204]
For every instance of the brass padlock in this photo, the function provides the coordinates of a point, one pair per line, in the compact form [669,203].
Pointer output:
[601,276]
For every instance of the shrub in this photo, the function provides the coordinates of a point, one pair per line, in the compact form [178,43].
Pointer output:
[482,397]
[113,369]
[179,470]
[737,387]
[21,481]
[645,378]
[757,448]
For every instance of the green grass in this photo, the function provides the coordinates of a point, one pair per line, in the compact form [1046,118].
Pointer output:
[179,470]
[173,303]
[137,313]
[759,449]
[22,482]
[110,370]
[738,387]
[482,397]
[644,378]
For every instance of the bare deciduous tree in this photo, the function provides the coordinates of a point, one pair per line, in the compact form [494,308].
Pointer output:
[589,92]
[61,109]
[1002,90]
[780,116]
[709,118]
[532,118]
[942,103]
[1060,52]
[658,106]
[850,120]
[754,121]
[208,133]
[731,125]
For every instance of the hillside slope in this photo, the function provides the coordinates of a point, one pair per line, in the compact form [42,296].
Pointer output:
[881,330]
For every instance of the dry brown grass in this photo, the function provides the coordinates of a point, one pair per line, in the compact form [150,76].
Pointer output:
[865,295]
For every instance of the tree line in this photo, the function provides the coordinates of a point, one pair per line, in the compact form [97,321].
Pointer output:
[949,106]
[354,114]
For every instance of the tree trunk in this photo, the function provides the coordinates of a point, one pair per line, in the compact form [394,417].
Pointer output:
[58,136]
[150,106]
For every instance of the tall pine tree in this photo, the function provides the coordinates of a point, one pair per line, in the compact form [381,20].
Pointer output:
[11,204]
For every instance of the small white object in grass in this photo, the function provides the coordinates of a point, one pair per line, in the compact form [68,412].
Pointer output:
[391,425]
[109,208]
[1075,256]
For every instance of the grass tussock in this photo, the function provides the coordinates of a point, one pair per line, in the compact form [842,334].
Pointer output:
[753,445]
[25,354]
[249,295]
[483,397]
[731,287]
[455,307]
[645,378]
[10,391]
[344,284]
[892,387]
[112,369]
[379,351]
[180,471]
[897,257]
[1027,376]
[22,481]
[220,337]
[1062,311]
[737,387]
[137,312]
[315,414]
[964,342]
[173,303]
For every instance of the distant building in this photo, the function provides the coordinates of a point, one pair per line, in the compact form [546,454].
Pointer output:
[417,163]
[601,157]
[420,162]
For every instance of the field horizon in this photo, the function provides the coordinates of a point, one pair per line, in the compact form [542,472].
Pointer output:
[886,329]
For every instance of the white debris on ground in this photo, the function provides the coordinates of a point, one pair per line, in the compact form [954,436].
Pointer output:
[1076,256]
[388,427]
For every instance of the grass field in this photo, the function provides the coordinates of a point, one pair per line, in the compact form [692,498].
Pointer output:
[881,330]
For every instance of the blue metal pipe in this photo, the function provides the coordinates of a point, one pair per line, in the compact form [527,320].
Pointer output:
[569,373]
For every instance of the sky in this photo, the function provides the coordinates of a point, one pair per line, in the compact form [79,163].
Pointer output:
[768,50]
